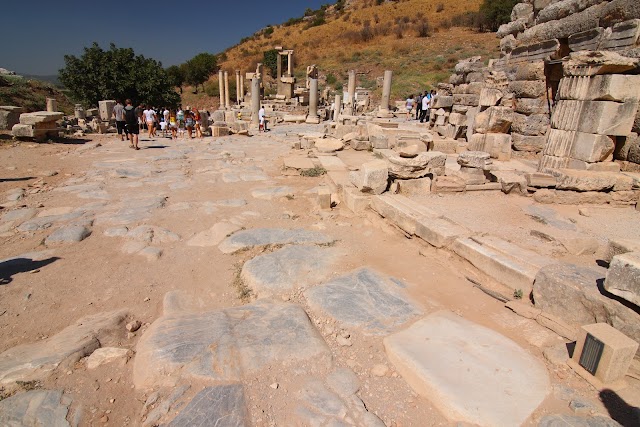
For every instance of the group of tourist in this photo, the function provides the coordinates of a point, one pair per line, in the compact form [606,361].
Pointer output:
[130,119]
[422,103]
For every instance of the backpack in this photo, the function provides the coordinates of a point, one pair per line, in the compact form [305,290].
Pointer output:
[130,115]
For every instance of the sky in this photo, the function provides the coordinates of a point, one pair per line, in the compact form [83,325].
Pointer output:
[36,34]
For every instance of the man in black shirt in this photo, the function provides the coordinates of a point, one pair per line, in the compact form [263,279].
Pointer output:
[131,115]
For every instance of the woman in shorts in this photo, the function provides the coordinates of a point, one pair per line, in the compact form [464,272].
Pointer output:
[198,122]
[189,123]
[173,124]
[409,106]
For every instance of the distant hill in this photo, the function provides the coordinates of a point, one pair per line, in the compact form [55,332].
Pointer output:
[31,93]
[53,79]
[420,40]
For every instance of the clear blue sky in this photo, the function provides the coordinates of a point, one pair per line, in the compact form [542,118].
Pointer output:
[37,34]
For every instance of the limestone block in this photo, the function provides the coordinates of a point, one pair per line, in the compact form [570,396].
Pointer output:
[355,200]
[578,180]
[39,117]
[460,109]
[469,65]
[474,88]
[457,119]
[622,34]
[475,159]
[537,51]
[476,77]
[533,125]
[507,44]
[540,180]
[533,144]
[106,109]
[466,99]
[586,40]
[609,87]
[218,130]
[9,116]
[447,146]
[328,145]
[538,5]
[471,176]
[617,354]
[571,292]
[599,62]
[564,8]
[623,277]
[448,184]
[528,89]
[598,117]
[442,101]
[533,71]
[514,27]
[456,79]
[619,247]
[591,148]
[23,131]
[373,177]
[531,106]
[498,145]
[493,120]
[489,97]
[360,144]
[106,355]
[414,187]
[521,10]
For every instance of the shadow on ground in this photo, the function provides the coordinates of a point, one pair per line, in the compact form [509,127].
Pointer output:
[619,410]
[11,267]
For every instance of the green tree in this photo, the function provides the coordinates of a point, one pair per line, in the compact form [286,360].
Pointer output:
[270,61]
[497,12]
[175,75]
[199,68]
[116,73]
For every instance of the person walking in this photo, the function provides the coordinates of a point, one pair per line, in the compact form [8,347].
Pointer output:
[262,119]
[409,106]
[426,102]
[418,105]
[150,118]
[173,124]
[121,124]
[197,117]
[131,116]
[189,123]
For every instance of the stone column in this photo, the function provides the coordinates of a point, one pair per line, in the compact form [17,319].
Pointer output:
[238,87]
[227,97]
[290,64]
[255,101]
[52,105]
[338,108]
[241,87]
[351,87]
[313,102]
[386,91]
[279,67]
[221,88]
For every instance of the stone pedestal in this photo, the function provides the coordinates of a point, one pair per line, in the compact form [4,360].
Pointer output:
[313,102]
[221,88]
[106,109]
[52,105]
[38,125]
[255,101]
[238,85]
[617,353]
[79,112]
[9,116]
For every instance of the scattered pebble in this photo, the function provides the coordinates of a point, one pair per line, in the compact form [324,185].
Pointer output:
[379,370]
[274,386]
[134,326]
[147,299]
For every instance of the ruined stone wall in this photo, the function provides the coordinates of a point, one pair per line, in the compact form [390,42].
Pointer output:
[536,95]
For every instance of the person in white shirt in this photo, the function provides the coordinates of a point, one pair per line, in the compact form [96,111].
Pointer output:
[150,118]
[263,121]
[426,104]
[409,106]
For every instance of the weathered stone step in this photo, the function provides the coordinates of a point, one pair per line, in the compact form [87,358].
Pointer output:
[506,262]
[418,220]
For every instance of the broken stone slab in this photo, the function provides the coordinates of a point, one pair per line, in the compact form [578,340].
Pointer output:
[579,145]
[528,88]
[40,117]
[506,262]
[621,246]
[576,295]
[443,101]
[532,106]
[480,377]
[222,405]
[448,184]
[35,408]
[214,235]
[489,97]
[596,117]
[493,120]
[417,167]
[471,176]
[475,159]
[623,277]
[36,360]
[272,193]
[511,182]
[286,269]
[328,145]
[578,180]
[418,220]
[106,355]
[226,345]
[549,217]
[532,125]
[360,144]
[418,186]
[363,299]
[260,237]
[298,163]
[373,177]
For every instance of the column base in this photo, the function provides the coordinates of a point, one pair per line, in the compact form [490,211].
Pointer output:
[313,120]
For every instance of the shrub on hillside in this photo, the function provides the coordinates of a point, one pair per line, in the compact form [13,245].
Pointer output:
[423,28]
[497,12]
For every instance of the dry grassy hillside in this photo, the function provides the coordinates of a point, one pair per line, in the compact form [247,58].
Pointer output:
[417,39]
